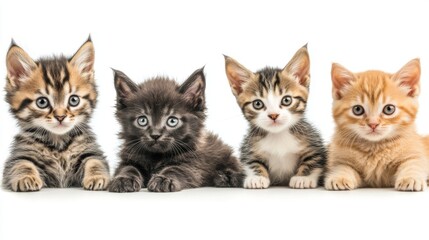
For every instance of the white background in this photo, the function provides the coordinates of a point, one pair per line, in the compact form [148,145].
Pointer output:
[148,38]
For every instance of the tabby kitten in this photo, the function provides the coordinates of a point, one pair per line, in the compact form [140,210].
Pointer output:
[166,147]
[281,147]
[376,143]
[52,99]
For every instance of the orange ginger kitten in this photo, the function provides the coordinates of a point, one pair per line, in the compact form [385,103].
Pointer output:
[375,143]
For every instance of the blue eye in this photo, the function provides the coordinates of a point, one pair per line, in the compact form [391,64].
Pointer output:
[74,100]
[389,109]
[358,110]
[287,101]
[258,104]
[142,121]
[42,102]
[172,121]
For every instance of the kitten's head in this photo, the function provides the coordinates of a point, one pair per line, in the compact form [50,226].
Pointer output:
[160,116]
[375,105]
[272,99]
[54,94]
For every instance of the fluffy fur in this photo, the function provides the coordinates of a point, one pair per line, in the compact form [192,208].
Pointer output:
[375,143]
[166,147]
[52,100]
[281,147]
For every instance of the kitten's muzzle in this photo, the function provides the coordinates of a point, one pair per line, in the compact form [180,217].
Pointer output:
[60,118]
[155,136]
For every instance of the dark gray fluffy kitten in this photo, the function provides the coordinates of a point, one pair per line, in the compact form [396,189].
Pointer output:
[166,147]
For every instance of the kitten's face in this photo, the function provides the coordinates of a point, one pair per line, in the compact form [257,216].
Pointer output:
[54,94]
[375,105]
[160,116]
[272,99]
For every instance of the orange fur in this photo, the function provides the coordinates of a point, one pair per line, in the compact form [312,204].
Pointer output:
[390,155]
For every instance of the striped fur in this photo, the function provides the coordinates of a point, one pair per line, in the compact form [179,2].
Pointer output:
[372,148]
[52,100]
[281,147]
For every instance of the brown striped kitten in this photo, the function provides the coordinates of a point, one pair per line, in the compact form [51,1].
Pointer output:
[375,143]
[52,100]
[281,147]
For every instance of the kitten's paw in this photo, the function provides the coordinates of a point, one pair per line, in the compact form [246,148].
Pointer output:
[340,183]
[302,182]
[28,183]
[256,182]
[410,184]
[124,184]
[96,182]
[159,183]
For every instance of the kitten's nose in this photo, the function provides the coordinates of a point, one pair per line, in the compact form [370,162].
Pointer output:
[273,116]
[155,137]
[373,125]
[60,118]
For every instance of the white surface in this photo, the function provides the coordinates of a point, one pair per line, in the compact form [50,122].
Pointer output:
[146,38]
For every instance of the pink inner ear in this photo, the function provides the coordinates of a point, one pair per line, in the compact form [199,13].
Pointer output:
[16,69]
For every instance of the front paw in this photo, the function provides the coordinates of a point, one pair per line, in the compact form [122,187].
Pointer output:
[124,184]
[340,183]
[95,182]
[160,183]
[28,183]
[256,182]
[302,182]
[410,184]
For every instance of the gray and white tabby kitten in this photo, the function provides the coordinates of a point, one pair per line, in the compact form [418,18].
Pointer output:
[166,147]
[281,147]
[53,99]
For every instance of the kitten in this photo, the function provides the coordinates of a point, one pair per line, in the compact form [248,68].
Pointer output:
[376,143]
[52,100]
[166,147]
[281,147]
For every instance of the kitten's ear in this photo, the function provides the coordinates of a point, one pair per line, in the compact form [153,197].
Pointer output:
[83,59]
[341,78]
[193,89]
[299,67]
[19,65]
[237,75]
[124,86]
[408,77]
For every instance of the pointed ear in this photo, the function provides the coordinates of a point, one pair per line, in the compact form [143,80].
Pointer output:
[299,67]
[237,75]
[124,86]
[341,78]
[19,65]
[408,77]
[193,89]
[83,59]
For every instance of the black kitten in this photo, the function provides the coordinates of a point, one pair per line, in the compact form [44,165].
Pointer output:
[166,147]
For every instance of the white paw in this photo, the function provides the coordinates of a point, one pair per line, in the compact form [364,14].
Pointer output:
[410,184]
[302,182]
[256,182]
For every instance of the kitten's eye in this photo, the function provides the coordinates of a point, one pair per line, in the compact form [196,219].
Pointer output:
[287,101]
[74,100]
[389,109]
[172,121]
[142,121]
[42,102]
[258,104]
[358,110]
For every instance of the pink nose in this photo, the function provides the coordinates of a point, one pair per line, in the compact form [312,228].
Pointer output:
[273,116]
[373,125]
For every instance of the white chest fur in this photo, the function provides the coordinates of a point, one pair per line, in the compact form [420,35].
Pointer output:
[281,150]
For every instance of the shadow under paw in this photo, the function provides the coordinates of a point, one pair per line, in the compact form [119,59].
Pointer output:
[159,183]
[124,184]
